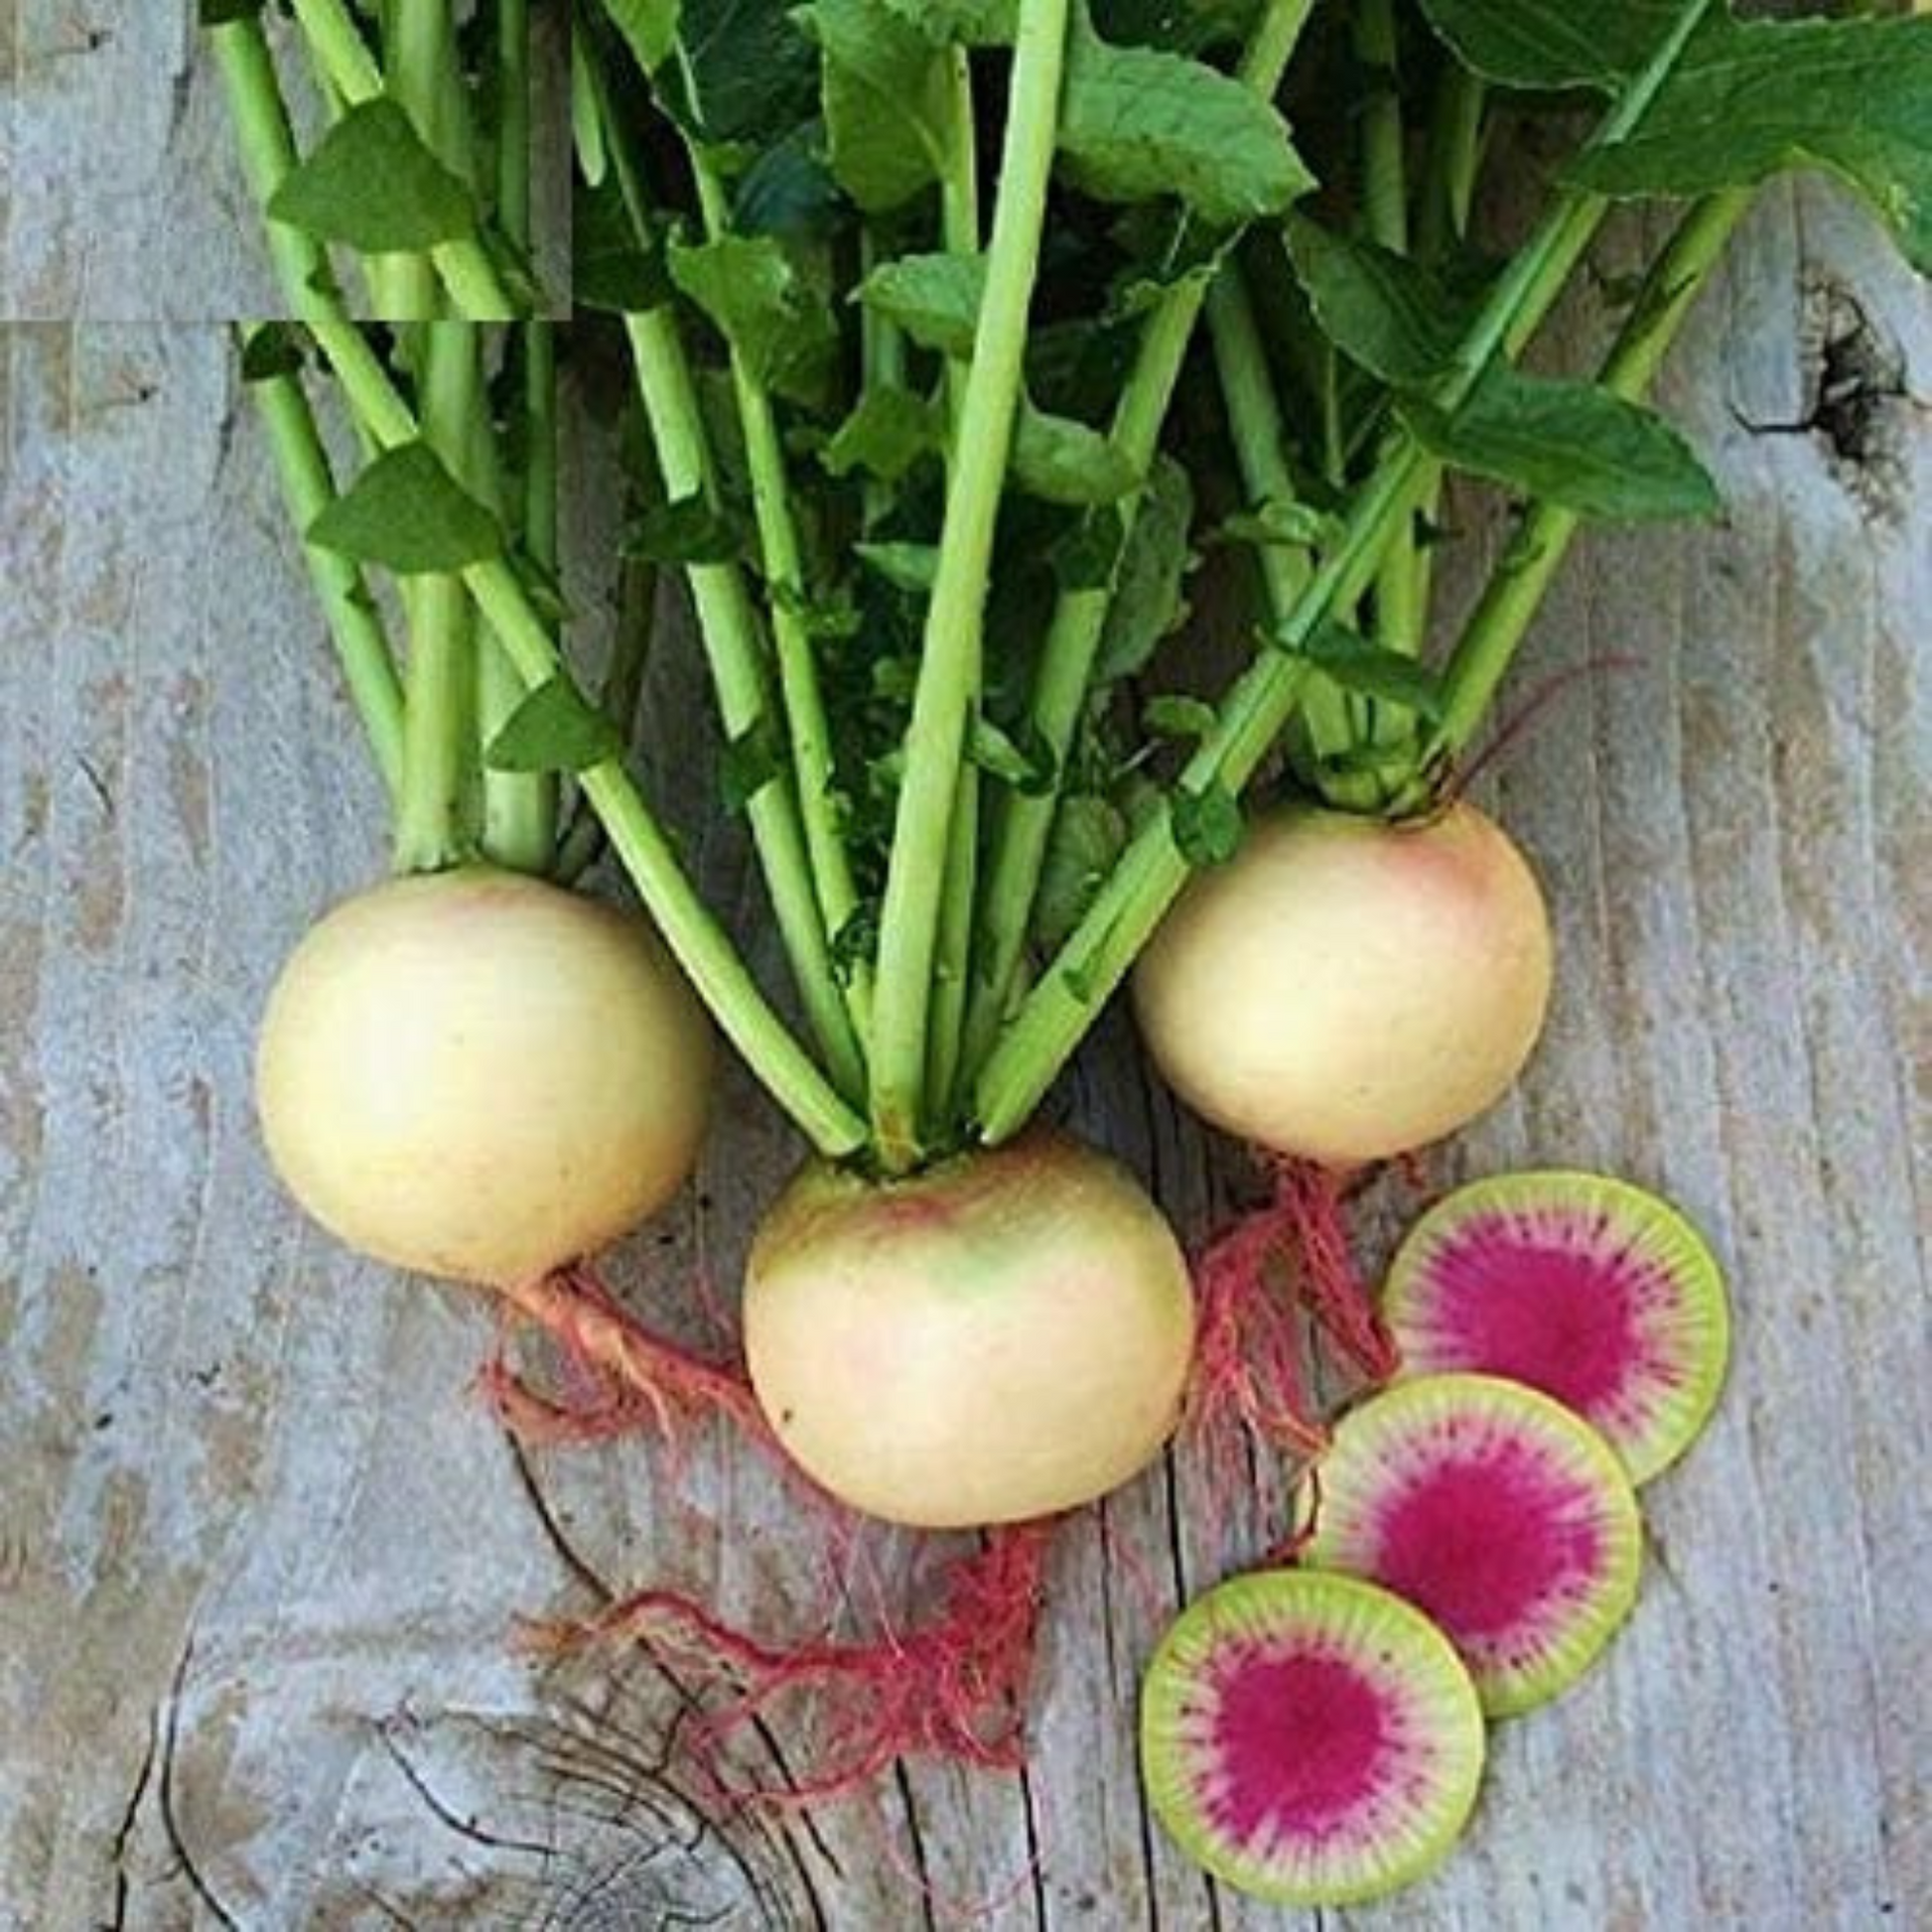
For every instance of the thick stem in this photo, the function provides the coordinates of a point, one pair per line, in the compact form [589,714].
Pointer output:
[1524,573]
[1069,996]
[959,216]
[807,726]
[434,827]
[1025,823]
[1399,615]
[729,628]
[419,64]
[699,943]
[950,656]
[368,669]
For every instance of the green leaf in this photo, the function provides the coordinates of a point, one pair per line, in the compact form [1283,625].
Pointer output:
[1373,671]
[1150,592]
[1174,715]
[1061,461]
[650,28]
[219,13]
[1029,771]
[1279,524]
[885,98]
[789,190]
[1544,44]
[1085,556]
[1569,444]
[964,22]
[749,763]
[611,269]
[1182,26]
[408,513]
[273,349]
[691,531]
[765,308]
[934,299]
[1136,124]
[745,70]
[1751,99]
[1206,824]
[1381,310]
[908,567]
[888,432]
[373,183]
[555,729]
[1089,834]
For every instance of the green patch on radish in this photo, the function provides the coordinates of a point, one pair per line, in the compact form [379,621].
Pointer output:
[1309,1739]
[1587,1288]
[1496,1511]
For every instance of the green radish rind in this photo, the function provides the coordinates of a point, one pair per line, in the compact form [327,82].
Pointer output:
[1654,1419]
[1396,1647]
[1385,1451]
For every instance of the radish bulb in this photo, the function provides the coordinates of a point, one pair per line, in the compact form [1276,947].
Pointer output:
[478,1076]
[1001,1337]
[1346,989]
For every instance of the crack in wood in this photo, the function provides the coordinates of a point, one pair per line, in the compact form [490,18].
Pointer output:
[170,1818]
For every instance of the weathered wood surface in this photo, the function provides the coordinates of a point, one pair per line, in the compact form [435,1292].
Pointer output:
[120,196]
[261,1550]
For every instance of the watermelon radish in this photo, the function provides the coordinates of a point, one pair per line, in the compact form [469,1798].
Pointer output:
[1309,1739]
[1496,1511]
[1587,1288]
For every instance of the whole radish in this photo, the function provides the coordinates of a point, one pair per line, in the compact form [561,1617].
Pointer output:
[1001,1336]
[478,1076]
[1346,989]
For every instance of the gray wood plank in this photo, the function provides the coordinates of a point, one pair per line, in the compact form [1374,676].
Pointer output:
[262,1554]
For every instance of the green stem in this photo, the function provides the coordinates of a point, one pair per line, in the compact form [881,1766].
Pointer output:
[336,46]
[619,698]
[1523,574]
[267,149]
[882,365]
[952,961]
[369,667]
[519,809]
[1255,424]
[950,658]
[433,819]
[699,943]
[807,726]
[729,628]
[1069,996]
[418,56]
[513,120]
[1025,823]
[1456,125]
[1399,617]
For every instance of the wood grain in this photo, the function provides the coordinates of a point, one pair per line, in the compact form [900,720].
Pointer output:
[262,1553]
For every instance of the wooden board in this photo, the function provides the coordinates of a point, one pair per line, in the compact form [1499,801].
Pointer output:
[262,1553]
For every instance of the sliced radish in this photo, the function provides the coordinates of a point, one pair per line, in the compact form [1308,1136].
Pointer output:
[1587,1288]
[1496,1511]
[1309,1739]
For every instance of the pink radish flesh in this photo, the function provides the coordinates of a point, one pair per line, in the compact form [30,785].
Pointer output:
[1583,1287]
